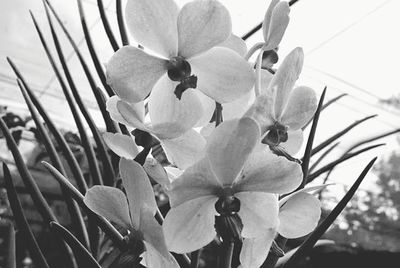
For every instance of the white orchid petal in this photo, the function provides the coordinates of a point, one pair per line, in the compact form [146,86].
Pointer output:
[229,146]
[208,109]
[235,43]
[121,145]
[166,108]
[138,189]
[266,172]
[278,24]
[267,19]
[197,181]
[190,226]
[299,215]
[237,108]
[184,150]
[110,203]
[201,26]
[255,250]
[132,73]
[294,142]
[258,212]
[131,114]
[309,190]
[153,24]
[300,108]
[222,74]
[156,171]
[153,259]
[285,78]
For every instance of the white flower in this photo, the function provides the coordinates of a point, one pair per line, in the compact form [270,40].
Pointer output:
[281,110]
[275,23]
[231,171]
[134,212]
[191,62]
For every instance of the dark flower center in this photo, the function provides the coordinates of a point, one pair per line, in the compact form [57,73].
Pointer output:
[179,70]
[228,225]
[276,135]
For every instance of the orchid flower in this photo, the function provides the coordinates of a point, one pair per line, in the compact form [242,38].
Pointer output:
[299,214]
[183,150]
[233,175]
[189,64]
[281,110]
[133,212]
[275,23]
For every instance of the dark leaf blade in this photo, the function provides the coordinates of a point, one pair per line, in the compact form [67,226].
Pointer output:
[339,134]
[92,51]
[323,226]
[108,170]
[92,160]
[333,164]
[69,156]
[101,102]
[107,228]
[82,256]
[10,261]
[307,154]
[21,221]
[121,23]
[322,157]
[76,216]
[106,25]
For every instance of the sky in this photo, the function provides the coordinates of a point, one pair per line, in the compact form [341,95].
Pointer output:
[350,47]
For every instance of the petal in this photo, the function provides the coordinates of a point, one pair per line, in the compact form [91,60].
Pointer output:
[197,181]
[266,172]
[258,212]
[132,73]
[300,108]
[299,215]
[138,189]
[131,115]
[208,109]
[121,145]
[111,106]
[255,250]
[153,259]
[190,226]
[285,78]
[153,233]
[229,146]
[294,142]
[237,108]
[309,190]
[261,112]
[166,108]
[267,19]
[201,26]
[156,171]
[222,74]
[110,203]
[184,150]
[278,23]
[153,24]
[235,43]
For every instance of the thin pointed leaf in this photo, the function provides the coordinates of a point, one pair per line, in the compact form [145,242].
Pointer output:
[92,160]
[107,228]
[340,160]
[82,256]
[326,105]
[323,226]
[76,216]
[92,51]
[106,25]
[380,136]
[339,134]
[121,23]
[69,156]
[97,92]
[310,141]
[322,157]
[21,222]
[10,261]
[108,171]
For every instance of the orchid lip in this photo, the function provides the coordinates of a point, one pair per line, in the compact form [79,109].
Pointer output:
[179,70]
[276,135]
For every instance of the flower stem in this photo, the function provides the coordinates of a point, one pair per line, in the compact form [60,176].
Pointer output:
[253,50]
[226,253]
[195,257]
[218,114]
[257,86]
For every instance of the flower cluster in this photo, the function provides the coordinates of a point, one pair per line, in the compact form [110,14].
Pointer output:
[224,181]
